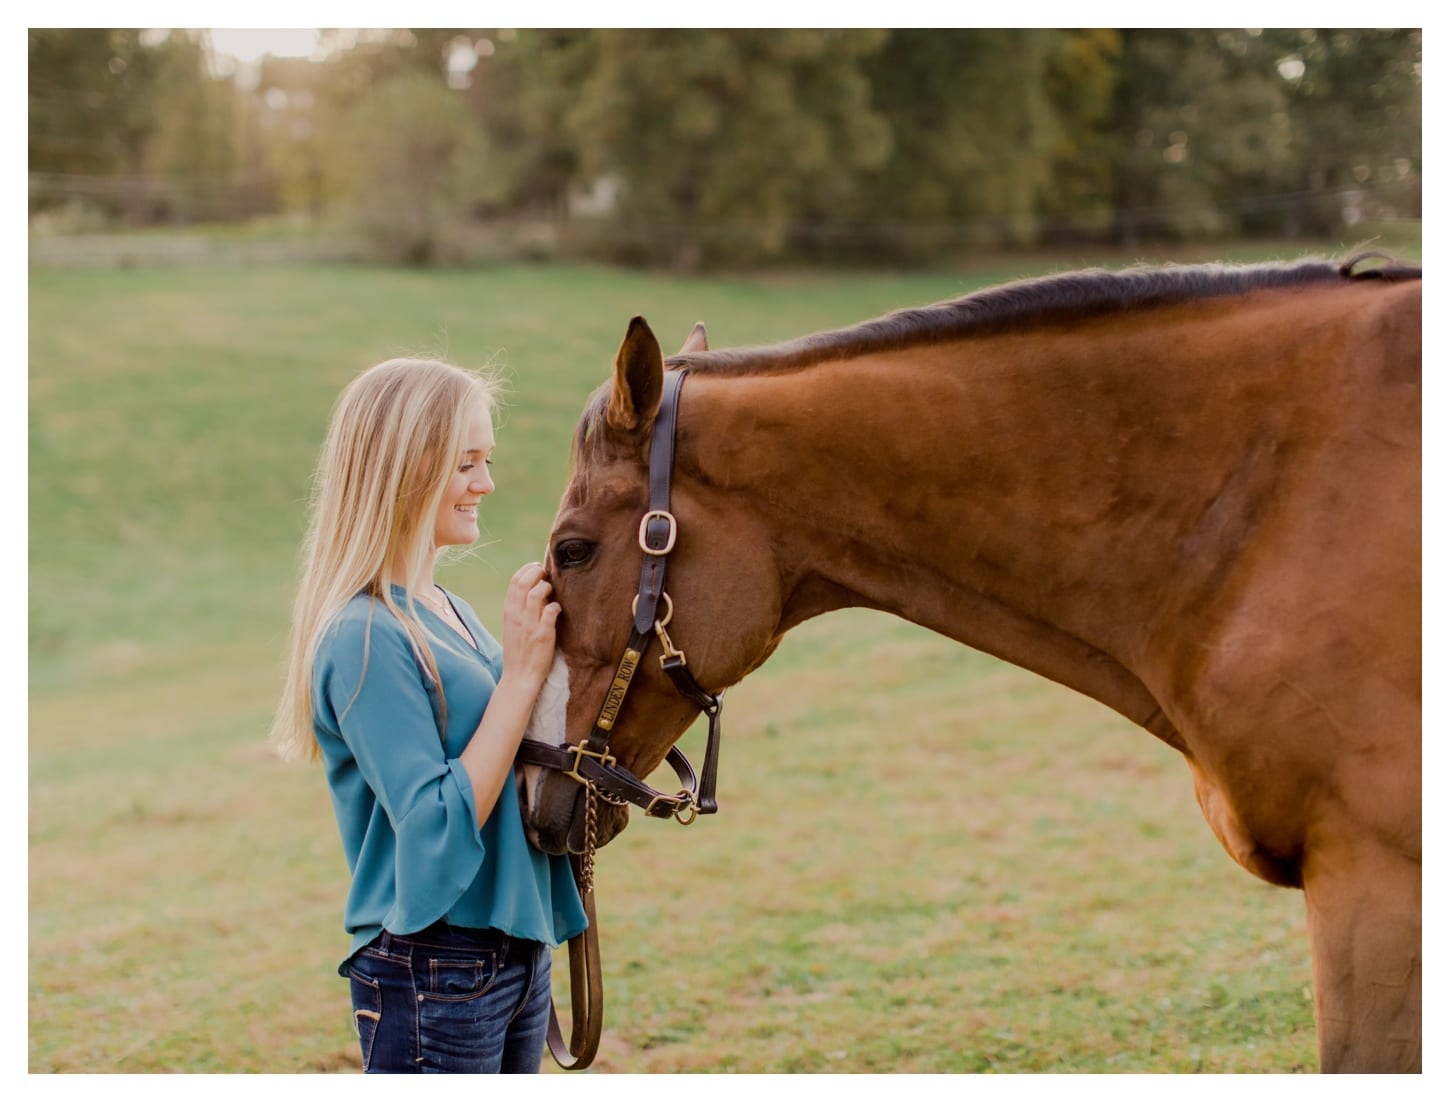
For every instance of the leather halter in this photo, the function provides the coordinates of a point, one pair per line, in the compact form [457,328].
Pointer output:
[590,762]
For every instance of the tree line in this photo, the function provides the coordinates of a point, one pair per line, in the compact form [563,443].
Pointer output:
[689,147]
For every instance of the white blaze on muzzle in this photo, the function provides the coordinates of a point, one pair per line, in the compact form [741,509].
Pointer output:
[546,725]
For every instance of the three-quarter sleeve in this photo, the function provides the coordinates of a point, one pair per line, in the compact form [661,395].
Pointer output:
[370,684]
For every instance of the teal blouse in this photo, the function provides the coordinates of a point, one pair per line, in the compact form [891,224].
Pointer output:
[403,800]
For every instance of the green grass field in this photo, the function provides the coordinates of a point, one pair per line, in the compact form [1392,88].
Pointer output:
[925,860]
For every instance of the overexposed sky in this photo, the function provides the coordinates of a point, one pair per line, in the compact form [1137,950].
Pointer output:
[251,44]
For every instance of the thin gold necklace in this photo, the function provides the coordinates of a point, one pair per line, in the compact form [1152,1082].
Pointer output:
[451,617]
[437,601]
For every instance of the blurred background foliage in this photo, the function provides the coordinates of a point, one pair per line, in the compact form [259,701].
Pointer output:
[681,148]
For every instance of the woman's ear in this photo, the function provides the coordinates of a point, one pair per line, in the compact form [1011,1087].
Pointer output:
[639,370]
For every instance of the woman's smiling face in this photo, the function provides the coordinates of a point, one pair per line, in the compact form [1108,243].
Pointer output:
[457,520]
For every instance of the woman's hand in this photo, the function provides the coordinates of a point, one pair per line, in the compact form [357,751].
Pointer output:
[528,655]
[528,626]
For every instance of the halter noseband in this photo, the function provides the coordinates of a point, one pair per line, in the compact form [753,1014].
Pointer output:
[590,762]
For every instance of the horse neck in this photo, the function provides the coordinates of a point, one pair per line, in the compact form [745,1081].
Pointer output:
[1015,493]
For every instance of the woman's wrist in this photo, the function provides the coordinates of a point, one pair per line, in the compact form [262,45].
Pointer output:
[525,685]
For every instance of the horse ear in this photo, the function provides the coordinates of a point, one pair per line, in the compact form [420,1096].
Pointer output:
[696,341]
[639,375]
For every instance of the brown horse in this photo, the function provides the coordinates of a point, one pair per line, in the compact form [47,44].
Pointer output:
[1191,493]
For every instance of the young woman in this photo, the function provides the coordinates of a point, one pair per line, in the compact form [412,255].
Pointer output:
[416,712]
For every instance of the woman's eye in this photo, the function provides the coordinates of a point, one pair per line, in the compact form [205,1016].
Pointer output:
[572,552]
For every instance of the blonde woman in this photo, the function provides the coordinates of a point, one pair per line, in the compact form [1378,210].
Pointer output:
[416,712]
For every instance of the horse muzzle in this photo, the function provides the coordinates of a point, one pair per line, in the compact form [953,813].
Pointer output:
[556,815]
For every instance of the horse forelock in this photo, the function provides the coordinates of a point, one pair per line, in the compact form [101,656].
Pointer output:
[1030,303]
[592,445]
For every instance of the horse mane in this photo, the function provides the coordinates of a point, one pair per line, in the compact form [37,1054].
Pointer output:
[1040,301]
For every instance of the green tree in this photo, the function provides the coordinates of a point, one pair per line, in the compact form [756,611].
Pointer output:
[522,90]
[92,104]
[359,61]
[716,140]
[194,148]
[1355,113]
[1204,132]
[299,107]
[1081,81]
[99,99]
[292,115]
[410,162]
[972,132]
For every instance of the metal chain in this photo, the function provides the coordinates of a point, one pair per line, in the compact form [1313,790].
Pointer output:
[591,833]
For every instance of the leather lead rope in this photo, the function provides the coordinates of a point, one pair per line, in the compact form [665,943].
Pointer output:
[586,996]
[586,974]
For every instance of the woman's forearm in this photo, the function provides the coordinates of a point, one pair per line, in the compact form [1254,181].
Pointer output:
[490,753]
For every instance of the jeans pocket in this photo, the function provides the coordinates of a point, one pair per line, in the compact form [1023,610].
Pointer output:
[367,1012]
[458,977]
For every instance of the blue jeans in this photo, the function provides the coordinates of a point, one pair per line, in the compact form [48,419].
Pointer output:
[450,1000]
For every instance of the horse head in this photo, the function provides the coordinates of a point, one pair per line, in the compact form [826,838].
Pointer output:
[718,612]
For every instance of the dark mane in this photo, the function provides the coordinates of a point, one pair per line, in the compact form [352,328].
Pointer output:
[1044,300]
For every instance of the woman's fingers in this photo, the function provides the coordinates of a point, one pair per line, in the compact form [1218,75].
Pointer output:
[525,580]
[530,615]
[531,607]
[526,576]
[531,595]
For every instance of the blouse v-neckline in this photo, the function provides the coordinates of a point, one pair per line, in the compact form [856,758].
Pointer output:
[466,635]
[469,638]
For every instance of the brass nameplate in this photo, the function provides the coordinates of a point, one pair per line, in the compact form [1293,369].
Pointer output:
[622,678]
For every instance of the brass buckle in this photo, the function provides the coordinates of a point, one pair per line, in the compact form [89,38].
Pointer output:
[604,757]
[669,610]
[684,804]
[671,651]
[674,531]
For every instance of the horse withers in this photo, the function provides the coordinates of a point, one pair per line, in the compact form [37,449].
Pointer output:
[1191,493]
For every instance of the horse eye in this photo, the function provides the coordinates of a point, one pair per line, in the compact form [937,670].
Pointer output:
[569,553]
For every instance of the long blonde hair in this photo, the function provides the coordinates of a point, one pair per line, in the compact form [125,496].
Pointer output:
[395,436]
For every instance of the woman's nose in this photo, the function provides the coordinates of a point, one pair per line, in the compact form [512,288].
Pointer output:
[482,483]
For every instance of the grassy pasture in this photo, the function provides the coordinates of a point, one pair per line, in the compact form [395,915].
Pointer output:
[926,861]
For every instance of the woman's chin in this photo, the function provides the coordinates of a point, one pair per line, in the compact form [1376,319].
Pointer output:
[460,537]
